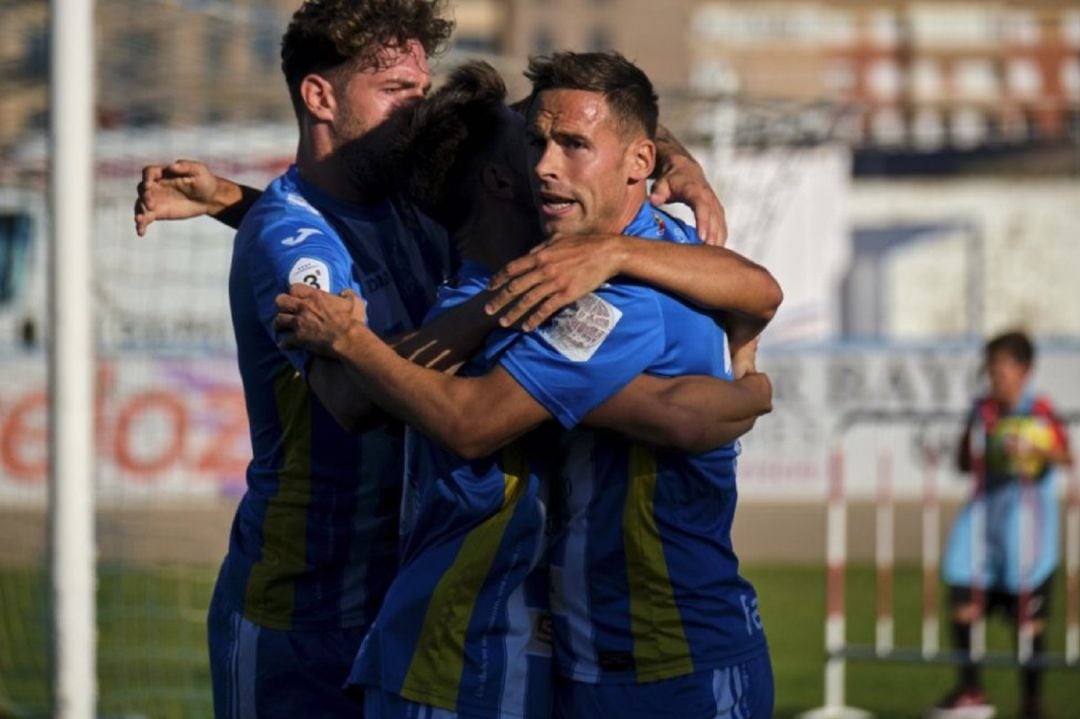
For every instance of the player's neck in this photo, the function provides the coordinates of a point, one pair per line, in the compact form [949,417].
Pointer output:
[494,237]
[328,176]
[635,198]
[475,244]
[325,167]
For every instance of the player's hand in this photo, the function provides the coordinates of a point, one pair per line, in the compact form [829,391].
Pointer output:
[683,180]
[554,274]
[318,321]
[744,359]
[175,192]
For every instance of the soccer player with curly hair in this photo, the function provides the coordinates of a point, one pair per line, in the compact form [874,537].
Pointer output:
[313,545]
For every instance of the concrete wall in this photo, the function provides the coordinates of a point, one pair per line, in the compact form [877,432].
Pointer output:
[1028,232]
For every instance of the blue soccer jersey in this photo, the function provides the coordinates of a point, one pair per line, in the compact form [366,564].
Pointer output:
[465,625]
[645,583]
[314,541]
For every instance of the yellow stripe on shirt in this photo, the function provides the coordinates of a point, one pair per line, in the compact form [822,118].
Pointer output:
[435,670]
[661,650]
[271,586]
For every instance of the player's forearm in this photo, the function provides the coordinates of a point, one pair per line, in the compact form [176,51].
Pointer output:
[674,427]
[724,412]
[713,278]
[449,340]
[692,414]
[454,411]
[414,394]
[231,202]
[720,401]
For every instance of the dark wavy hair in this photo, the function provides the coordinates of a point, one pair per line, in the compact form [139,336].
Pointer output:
[626,88]
[441,142]
[325,35]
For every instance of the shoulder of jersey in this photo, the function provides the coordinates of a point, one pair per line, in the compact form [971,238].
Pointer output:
[285,219]
[683,233]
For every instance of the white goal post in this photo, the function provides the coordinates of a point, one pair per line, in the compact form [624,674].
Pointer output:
[71,361]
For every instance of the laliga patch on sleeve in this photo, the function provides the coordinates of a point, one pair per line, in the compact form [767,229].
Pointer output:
[578,330]
[310,272]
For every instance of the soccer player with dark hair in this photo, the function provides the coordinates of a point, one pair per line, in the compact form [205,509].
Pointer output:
[314,542]
[651,615]
[1012,443]
[646,531]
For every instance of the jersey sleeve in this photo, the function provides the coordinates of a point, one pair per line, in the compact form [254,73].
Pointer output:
[588,351]
[292,252]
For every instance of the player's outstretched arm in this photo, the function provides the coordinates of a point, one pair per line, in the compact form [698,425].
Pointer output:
[562,270]
[692,414]
[186,189]
[680,178]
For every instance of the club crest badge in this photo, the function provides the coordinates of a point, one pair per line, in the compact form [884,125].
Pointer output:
[579,329]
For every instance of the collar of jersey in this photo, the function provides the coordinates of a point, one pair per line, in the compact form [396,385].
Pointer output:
[647,223]
[334,207]
[473,270]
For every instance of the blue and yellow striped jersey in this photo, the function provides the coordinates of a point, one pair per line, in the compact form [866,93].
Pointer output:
[645,583]
[465,626]
[314,541]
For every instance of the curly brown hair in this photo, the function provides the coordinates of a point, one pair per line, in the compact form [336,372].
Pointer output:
[325,35]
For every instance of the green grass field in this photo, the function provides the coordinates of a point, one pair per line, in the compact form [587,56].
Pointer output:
[152,661]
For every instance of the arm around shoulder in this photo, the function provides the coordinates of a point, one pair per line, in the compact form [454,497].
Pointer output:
[693,414]
[470,416]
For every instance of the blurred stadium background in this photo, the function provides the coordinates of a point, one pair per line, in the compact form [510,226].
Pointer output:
[910,171]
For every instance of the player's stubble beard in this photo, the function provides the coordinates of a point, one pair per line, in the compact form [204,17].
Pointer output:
[598,212]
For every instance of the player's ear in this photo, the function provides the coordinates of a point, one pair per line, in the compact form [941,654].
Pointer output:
[497,181]
[318,95]
[641,156]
